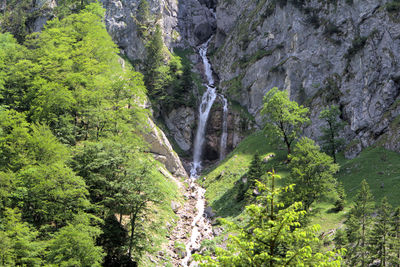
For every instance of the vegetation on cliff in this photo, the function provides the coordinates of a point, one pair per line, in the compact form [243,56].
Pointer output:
[78,187]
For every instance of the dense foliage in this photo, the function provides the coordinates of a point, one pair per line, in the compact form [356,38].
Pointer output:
[272,236]
[312,171]
[74,171]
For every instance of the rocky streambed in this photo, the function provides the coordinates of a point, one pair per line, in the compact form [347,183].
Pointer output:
[192,227]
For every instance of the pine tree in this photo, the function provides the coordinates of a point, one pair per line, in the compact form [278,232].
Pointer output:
[380,237]
[341,201]
[154,64]
[340,238]
[255,170]
[143,18]
[358,226]
[254,174]
[394,257]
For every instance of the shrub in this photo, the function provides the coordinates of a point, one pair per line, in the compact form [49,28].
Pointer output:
[358,44]
[393,7]
[331,28]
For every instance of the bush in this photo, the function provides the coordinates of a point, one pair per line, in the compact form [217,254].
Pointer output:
[331,28]
[358,44]
[393,7]
[314,20]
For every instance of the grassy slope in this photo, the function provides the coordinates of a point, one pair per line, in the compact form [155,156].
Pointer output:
[220,181]
[375,164]
[163,214]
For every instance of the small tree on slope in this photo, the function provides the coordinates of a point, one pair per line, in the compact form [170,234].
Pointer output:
[312,171]
[272,236]
[285,118]
[331,141]
[358,227]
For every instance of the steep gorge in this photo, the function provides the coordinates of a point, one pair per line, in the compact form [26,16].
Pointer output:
[324,53]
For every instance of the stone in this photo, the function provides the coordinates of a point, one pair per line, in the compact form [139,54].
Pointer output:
[203,32]
[313,65]
[218,231]
[268,157]
[175,206]
[180,123]
[209,213]
[162,149]
[181,252]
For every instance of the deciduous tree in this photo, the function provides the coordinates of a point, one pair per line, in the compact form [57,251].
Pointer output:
[330,133]
[312,171]
[284,118]
[272,236]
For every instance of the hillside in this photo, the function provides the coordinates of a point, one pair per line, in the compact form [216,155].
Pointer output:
[378,166]
[199,132]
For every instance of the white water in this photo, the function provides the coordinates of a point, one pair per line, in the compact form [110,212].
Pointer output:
[195,238]
[224,136]
[204,111]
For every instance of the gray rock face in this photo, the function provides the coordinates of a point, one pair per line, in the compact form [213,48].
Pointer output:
[162,150]
[184,23]
[181,122]
[122,25]
[195,21]
[322,54]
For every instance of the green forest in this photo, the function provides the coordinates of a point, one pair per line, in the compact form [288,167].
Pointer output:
[79,185]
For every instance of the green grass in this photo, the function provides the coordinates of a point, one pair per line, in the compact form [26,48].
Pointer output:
[378,167]
[221,181]
[163,213]
[376,164]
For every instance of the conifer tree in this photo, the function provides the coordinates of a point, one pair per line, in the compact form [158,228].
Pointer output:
[254,174]
[255,170]
[380,237]
[340,202]
[394,257]
[154,63]
[358,226]
[143,18]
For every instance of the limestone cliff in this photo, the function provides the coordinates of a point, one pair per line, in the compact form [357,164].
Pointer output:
[324,52]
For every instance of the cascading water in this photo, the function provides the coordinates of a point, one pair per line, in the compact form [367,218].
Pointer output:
[224,136]
[204,111]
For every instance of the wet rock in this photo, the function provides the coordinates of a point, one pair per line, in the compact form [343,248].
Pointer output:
[209,213]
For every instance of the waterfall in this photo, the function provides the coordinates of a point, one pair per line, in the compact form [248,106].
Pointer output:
[224,136]
[204,111]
